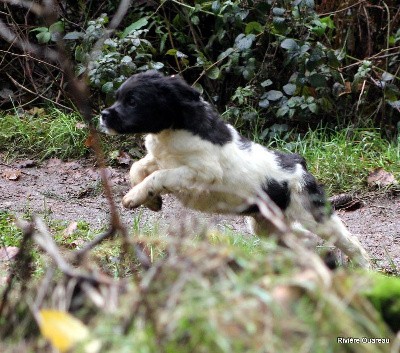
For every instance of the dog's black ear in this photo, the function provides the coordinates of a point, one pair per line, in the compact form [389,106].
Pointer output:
[182,91]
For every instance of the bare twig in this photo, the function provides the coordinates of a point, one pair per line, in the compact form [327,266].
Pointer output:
[25,46]
[15,82]
[79,254]
[30,5]
[341,10]
[43,238]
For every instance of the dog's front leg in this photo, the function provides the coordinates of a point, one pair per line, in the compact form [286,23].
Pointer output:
[139,171]
[159,182]
[142,169]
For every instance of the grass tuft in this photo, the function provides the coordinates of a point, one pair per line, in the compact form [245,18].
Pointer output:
[53,134]
[342,160]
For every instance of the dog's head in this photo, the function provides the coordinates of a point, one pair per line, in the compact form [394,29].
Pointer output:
[150,103]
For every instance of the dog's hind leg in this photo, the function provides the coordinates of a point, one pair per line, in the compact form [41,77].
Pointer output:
[334,231]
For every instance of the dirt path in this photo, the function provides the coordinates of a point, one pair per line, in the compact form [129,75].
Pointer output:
[72,191]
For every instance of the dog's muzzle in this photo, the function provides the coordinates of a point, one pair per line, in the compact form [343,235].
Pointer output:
[102,124]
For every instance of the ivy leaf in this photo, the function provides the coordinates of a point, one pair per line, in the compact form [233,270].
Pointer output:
[313,107]
[215,6]
[198,87]
[289,44]
[253,27]
[213,73]
[328,22]
[195,20]
[156,65]
[266,83]
[40,29]
[57,27]
[126,60]
[107,87]
[333,60]
[134,26]
[282,111]
[73,35]
[317,80]
[264,103]
[177,53]
[279,24]
[225,53]
[278,11]
[43,37]
[312,63]
[274,95]
[318,27]
[289,89]
[304,48]
[386,76]
[244,42]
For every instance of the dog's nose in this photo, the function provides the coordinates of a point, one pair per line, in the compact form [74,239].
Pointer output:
[103,122]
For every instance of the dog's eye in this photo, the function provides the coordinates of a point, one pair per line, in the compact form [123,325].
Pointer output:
[132,101]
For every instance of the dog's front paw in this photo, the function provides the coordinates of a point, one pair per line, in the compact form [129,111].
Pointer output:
[134,198]
[128,202]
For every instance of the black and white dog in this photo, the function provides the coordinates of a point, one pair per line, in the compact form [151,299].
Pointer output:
[194,155]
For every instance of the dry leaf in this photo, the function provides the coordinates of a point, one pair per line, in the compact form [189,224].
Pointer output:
[123,158]
[36,111]
[8,252]
[120,157]
[12,174]
[75,244]
[80,126]
[380,178]
[72,227]
[347,88]
[89,142]
[64,331]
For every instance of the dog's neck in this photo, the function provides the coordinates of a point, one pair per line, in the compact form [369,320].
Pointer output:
[162,137]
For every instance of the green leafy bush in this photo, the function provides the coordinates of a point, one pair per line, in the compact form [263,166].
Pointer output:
[296,63]
[108,63]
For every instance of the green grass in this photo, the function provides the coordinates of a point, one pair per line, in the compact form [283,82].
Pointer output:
[44,135]
[10,234]
[52,133]
[217,292]
[342,160]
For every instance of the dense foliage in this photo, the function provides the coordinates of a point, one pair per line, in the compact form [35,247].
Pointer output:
[269,65]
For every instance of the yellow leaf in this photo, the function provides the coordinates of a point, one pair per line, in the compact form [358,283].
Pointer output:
[62,329]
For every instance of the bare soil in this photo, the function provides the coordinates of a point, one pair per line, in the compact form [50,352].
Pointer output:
[71,191]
